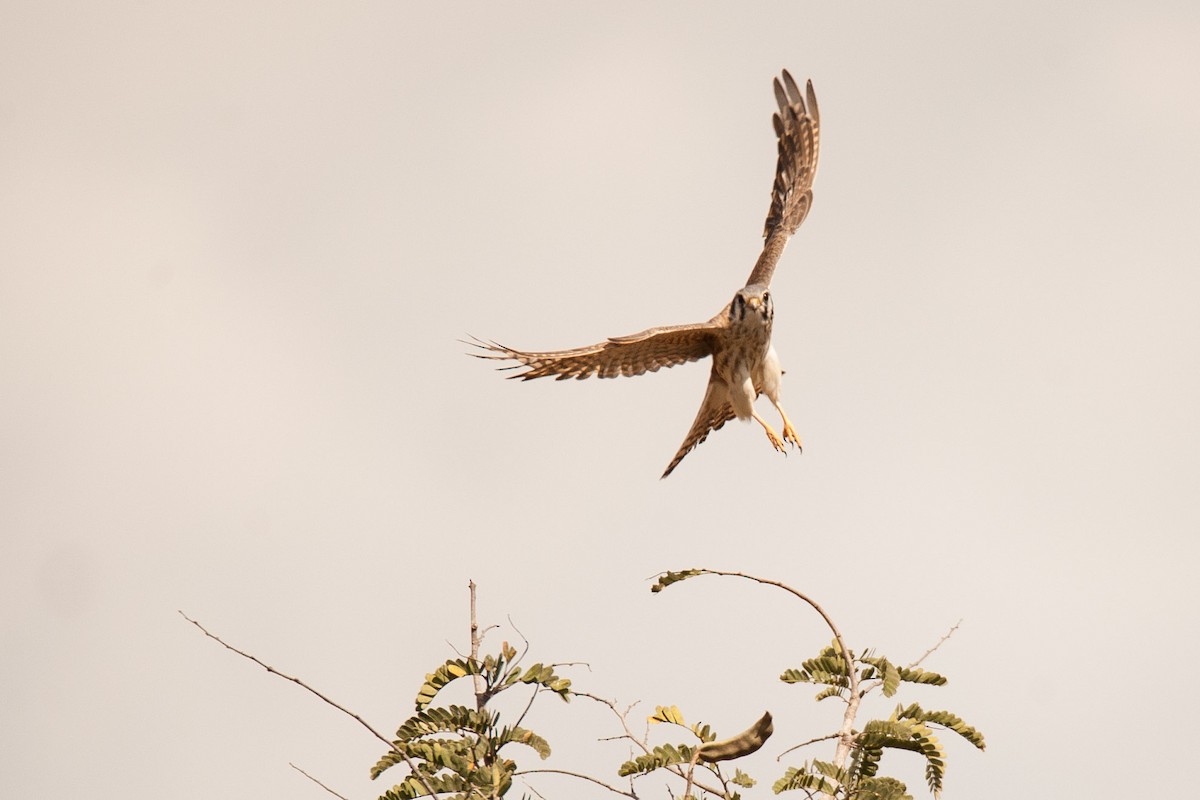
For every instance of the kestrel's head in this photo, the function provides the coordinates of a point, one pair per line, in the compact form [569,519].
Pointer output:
[753,304]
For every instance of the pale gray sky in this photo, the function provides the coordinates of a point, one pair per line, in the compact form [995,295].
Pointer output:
[241,241]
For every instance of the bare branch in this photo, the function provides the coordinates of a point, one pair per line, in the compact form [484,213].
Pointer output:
[837,634]
[424,784]
[525,649]
[476,638]
[613,789]
[623,717]
[940,642]
[806,744]
[317,782]
[294,680]
[529,705]
[535,791]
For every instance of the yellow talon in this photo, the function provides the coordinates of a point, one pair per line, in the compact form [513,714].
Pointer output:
[775,442]
[789,434]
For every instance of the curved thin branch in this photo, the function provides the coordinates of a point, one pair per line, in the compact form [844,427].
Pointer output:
[529,705]
[391,746]
[317,782]
[582,777]
[846,734]
[525,649]
[806,744]
[852,674]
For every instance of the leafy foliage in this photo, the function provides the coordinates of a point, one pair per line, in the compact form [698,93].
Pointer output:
[827,669]
[498,673]
[911,675]
[664,755]
[908,728]
[742,779]
[945,719]
[667,578]
[883,669]
[881,789]
[908,734]
[672,715]
[455,750]
[812,776]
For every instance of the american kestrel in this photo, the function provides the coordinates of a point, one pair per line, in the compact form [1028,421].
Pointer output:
[738,338]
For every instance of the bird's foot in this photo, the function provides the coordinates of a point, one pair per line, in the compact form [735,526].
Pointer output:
[773,437]
[789,435]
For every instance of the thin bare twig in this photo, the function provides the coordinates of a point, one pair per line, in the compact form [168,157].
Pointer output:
[535,791]
[837,634]
[525,649]
[577,775]
[623,717]
[391,746]
[317,782]
[806,744]
[940,642]
[529,705]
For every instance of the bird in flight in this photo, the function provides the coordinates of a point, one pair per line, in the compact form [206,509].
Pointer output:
[738,338]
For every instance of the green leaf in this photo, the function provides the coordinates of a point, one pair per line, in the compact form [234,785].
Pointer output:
[886,671]
[742,779]
[830,691]
[544,676]
[945,719]
[805,781]
[813,776]
[439,678]
[703,732]
[881,789]
[456,755]
[828,668]
[865,760]
[912,735]
[668,714]
[661,756]
[442,720]
[922,676]
[667,578]
[520,735]
[412,788]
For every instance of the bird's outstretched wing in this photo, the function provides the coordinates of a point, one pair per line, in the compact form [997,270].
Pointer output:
[648,351]
[714,412]
[798,127]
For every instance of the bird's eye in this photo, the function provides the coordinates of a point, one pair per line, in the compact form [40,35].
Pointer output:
[766,297]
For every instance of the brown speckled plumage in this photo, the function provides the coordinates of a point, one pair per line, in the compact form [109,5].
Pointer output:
[739,337]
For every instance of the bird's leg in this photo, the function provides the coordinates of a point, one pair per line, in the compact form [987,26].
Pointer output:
[774,437]
[789,433]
